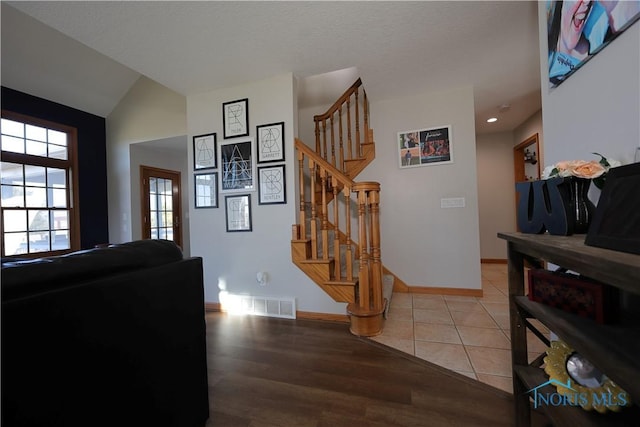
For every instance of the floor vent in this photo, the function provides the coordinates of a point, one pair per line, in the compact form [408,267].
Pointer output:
[260,306]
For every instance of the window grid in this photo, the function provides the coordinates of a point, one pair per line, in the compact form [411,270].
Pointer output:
[161,208]
[37,215]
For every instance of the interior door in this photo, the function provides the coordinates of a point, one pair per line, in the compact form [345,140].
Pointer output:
[161,216]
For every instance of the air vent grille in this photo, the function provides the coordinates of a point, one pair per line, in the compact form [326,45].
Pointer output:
[260,306]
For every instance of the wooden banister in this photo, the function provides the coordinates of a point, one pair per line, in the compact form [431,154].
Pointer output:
[330,143]
[340,101]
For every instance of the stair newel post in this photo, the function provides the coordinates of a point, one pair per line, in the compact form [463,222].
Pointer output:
[325,219]
[376,264]
[336,230]
[363,274]
[314,215]
[303,214]
[358,147]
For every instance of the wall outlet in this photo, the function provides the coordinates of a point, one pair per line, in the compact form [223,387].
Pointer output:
[452,202]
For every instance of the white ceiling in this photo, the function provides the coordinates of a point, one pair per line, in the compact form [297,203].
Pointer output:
[90,53]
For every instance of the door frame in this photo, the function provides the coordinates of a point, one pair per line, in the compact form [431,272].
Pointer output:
[176,194]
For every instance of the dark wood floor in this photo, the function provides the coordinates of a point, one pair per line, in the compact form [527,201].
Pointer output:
[266,372]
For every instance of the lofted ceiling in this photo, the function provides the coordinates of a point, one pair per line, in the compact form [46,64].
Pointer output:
[87,54]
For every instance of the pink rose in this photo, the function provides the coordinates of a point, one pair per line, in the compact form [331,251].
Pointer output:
[588,170]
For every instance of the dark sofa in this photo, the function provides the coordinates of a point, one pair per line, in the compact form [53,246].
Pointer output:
[111,336]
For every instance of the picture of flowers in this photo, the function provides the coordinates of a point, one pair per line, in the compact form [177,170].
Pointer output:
[425,147]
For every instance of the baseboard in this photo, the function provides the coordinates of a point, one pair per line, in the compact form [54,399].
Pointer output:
[493,261]
[329,317]
[446,291]
[210,307]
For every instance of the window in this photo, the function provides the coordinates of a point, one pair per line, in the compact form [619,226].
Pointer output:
[39,202]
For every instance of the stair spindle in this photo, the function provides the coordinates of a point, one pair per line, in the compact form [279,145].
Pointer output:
[314,217]
[357,108]
[325,151]
[302,210]
[333,142]
[349,255]
[325,220]
[336,230]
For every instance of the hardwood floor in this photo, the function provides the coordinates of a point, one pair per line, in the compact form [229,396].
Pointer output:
[266,372]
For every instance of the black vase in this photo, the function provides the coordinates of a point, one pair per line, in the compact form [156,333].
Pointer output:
[581,208]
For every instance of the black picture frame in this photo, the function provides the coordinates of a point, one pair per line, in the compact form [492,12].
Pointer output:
[616,223]
[270,142]
[237,209]
[205,151]
[237,159]
[272,185]
[235,118]
[206,190]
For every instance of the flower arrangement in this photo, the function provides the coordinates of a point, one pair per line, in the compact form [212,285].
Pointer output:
[594,170]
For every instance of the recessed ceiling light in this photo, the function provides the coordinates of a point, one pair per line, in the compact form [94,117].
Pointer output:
[492,119]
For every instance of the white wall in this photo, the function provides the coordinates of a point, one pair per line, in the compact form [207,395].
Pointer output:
[421,243]
[174,160]
[597,108]
[149,111]
[231,260]
[496,192]
[496,183]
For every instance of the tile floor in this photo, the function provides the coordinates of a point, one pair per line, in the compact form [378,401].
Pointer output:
[466,334]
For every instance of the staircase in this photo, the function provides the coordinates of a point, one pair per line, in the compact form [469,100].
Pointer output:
[336,240]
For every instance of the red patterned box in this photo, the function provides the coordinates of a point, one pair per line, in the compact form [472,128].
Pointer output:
[573,294]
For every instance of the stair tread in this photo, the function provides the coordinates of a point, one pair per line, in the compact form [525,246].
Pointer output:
[355,159]
[342,281]
[317,261]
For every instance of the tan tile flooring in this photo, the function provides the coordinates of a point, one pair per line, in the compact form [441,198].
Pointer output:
[466,334]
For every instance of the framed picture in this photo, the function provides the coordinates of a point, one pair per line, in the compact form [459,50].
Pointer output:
[573,41]
[205,151]
[425,147]
[238,168]
[238,211]
[272,185]
[206,188]
[270,142]
[616,223]
[235,116]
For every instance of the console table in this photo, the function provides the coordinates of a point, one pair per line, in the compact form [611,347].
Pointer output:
[612,348]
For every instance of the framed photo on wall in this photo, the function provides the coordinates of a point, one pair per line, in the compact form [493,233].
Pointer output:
[272,188]
[205,151]
[270,142]
[425,147]
[206,190]
[235,117]
[238,166]
[238,212]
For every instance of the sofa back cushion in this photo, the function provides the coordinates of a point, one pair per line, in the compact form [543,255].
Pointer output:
[26,277]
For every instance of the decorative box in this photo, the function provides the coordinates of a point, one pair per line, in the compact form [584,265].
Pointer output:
[574,294]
